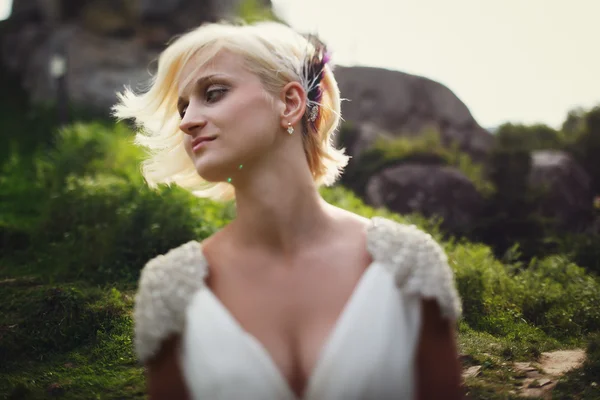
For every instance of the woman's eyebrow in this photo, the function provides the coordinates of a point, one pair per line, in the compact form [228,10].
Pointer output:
[199,82]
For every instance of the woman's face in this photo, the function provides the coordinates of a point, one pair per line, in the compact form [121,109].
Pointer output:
[227,117]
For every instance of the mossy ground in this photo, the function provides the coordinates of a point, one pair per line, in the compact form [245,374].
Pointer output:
[66,340]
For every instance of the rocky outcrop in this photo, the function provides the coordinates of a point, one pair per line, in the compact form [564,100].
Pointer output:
[97,67]
[127,17]
[568,197]
[392,103]
[431,190]
[106,44]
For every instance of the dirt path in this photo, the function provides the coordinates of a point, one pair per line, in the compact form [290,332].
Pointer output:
[542,377]
[539,378]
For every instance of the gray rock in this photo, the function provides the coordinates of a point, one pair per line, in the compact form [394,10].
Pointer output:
[107,43]
[399,104]
[431,190]
[97,67]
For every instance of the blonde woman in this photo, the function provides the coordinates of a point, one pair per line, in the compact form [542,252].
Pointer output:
[295,298]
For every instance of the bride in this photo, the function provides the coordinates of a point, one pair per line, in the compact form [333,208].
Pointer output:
[295,298]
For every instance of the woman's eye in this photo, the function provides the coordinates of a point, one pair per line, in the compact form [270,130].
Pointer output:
[213,95]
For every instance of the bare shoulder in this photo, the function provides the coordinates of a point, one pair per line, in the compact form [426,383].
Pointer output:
[349,220]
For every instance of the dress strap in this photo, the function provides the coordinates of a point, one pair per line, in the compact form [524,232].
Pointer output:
[417,261]
[166,286]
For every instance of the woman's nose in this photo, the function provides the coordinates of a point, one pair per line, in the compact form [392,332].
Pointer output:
[192,121]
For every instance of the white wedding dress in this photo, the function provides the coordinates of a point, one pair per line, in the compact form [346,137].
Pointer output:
[369,354]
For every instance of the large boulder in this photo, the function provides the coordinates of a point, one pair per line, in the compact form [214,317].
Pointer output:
[431,190]
[393,103]
[106,43]
[568,196]
[178,15]
[96,67]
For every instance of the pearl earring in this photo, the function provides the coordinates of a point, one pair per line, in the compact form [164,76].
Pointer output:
[290,128]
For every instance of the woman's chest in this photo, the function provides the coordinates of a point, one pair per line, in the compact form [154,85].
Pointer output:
[291,311]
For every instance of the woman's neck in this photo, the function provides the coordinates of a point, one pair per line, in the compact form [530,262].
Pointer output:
[281,211]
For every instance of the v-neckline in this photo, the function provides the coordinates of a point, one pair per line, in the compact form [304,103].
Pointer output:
[324,353]
[327,346]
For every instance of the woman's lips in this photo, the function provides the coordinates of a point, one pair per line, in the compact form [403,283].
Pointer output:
[200,143]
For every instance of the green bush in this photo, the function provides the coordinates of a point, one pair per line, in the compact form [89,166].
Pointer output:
[510,216]
[559,297]
[426,148]
[105,229]
[89,213]
[485,284]
[88,150]
[21,201]
[251,11]
[584,142]
[582,248]
[549,297]
[529,138]
[22,194]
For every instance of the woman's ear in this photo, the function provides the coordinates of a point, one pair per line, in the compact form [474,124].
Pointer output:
[293,98]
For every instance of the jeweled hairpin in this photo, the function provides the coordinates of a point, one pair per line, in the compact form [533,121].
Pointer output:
[314,113]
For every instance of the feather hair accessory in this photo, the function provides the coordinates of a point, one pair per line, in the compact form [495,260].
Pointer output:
[313,73]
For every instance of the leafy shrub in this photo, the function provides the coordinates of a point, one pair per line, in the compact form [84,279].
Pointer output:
[21,201]
[584,142]
[426,148]
[550,297]
[559,297]
[582,248]
[88,150]
[529,138]
[253,10]
[485,285]
[511,214]
[94,217]
[105,229]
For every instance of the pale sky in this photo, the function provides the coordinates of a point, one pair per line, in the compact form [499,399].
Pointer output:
[508,60]
[5,6]
[516,61]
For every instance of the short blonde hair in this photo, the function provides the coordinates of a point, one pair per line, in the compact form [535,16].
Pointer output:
[272,51]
